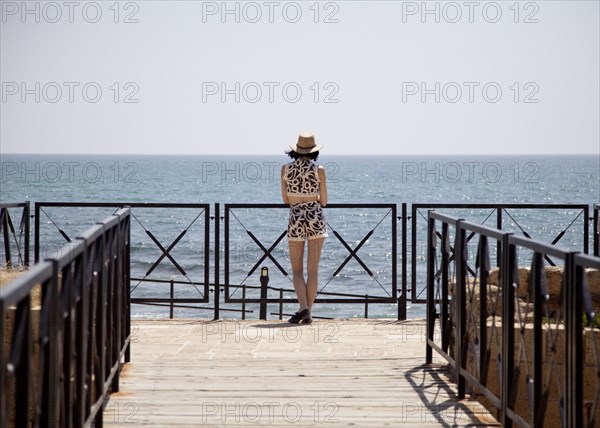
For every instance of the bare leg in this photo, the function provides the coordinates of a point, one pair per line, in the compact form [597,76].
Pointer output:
[315,247]
[297,259]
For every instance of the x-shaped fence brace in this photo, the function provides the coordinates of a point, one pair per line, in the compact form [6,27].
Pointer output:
[453,255]
[60,230]
[353,253]
[527,235]
[554,241]
[451,249]
[165,252]
[266,252]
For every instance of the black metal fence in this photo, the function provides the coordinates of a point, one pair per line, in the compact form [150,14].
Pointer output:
[151,288]
[165,290]
[498,213]
[15,239]
[65,330]
[343,247]
[526,339]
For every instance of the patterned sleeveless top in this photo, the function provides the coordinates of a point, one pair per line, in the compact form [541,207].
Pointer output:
[302,178]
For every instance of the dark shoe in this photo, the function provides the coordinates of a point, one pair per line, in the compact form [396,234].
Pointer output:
[307,320]
[299,316]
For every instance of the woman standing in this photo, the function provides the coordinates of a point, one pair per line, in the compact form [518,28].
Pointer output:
[304,188]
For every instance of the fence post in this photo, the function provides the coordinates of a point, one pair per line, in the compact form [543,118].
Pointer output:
[402,299]
[430,288]
[460,250]
[50,385]
[539,299]
[264,281]
[36,232]
[586,229]
[482,256]
[508,326]
[24,371]
[26,211]
[127,273]
[596,231]
[217,256]
[394,228]
[444,315]
[573,347]
[499,243]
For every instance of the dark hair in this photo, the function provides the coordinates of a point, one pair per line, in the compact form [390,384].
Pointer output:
[295,155]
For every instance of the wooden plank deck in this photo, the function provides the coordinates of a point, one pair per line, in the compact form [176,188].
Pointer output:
[270,373]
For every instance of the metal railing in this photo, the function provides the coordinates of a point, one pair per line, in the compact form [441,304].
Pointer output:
[533,329]
[65,327]
[500,211]
[166,249]
[247,293]
[12,238]
[281,295]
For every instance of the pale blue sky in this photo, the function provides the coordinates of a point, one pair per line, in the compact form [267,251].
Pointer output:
[376,54]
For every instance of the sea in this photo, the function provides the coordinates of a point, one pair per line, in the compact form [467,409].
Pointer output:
[199,179]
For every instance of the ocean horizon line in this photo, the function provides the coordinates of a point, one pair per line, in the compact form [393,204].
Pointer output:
[399,155]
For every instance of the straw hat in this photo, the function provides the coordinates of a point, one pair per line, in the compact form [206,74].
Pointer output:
[306,144]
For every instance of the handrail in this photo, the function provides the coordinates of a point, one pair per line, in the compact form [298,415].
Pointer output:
[499,209]
[202,285]
[78,325]
[406,288]
[395,295]
[480,323]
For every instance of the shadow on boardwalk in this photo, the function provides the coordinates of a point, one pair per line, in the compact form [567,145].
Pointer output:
[270,373]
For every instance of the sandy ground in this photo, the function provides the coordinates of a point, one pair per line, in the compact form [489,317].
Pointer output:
[7,275]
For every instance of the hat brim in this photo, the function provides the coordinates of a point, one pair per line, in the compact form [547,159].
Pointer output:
[301,151]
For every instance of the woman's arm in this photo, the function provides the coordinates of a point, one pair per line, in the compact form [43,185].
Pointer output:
[283,186]
[322,186]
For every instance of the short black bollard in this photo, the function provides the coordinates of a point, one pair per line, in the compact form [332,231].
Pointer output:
[280,304]
[243,301]
[264,281]
[172,292]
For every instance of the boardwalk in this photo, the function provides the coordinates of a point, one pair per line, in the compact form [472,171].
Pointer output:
[269,373]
